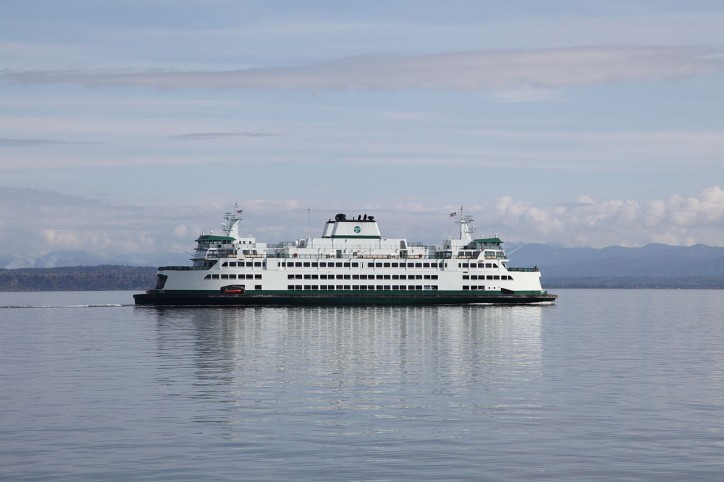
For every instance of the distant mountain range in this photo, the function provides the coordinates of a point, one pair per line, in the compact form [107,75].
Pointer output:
[651,266]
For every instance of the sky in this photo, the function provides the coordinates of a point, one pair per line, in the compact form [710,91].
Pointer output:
[128,128]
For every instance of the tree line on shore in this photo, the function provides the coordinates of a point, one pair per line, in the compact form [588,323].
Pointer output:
[78,278]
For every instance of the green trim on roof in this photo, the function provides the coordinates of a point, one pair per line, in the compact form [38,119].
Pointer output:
[211,237]
[351,237]
[495,240]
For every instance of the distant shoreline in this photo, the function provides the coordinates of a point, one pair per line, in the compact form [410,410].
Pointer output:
[141,278]
[78,278]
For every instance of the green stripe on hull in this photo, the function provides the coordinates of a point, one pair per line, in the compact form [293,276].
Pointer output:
[337,298]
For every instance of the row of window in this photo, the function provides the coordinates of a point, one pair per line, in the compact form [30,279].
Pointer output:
[362,287]
[489,277]
[350,264]
[241,264]
[347,264]
[232,276]
[361,276]
[467,288]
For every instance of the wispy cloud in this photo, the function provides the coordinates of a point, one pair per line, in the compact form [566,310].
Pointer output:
[194,136]
[501,70]
[4,142]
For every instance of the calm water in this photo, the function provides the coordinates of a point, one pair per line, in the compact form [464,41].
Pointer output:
[605,385]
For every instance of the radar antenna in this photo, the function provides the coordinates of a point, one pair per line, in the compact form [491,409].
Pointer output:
[466,225]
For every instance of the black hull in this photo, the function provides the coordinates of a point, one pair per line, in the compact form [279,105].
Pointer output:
[360,298]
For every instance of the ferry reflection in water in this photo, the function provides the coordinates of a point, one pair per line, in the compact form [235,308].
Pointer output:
[318,374]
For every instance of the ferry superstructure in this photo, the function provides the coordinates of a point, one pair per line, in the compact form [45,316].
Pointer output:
[350,264]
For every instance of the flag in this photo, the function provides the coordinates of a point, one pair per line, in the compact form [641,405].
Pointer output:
[452,215]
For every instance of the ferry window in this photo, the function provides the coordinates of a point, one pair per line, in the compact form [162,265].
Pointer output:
[340,287]
[370,265]
[346,265]
[346,287]
[466,276]
[489,276]
[290,287]
[322,287]
[465,288]
[346,276]
[379,276]
[339,276]
[258,276]
[307,276]
[330,287]
[386,276]
[322,265]
[225,264]
[403,276]
[290,276]
[394,265]
[224,276]
[395,287]
[298,287]
[496,277]
[495,265]
[363,287]
[355,276]
[427,276]
[378,265]
[386,265]
[434,287]
[355,265]
[380,287]
[315,265]
[339,265]
[418,265]
[214,276]
[426,265]
[257,287]
[395,276]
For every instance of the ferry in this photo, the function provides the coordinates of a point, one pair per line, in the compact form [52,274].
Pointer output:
[350,264]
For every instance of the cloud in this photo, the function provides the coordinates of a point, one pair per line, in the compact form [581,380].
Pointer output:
[36,223]
[4,142]
[678,220]
[194,136]
[520,73]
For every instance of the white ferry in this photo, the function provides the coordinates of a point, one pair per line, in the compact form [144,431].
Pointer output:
[350,264]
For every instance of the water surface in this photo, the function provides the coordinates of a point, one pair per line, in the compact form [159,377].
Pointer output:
[604,385]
